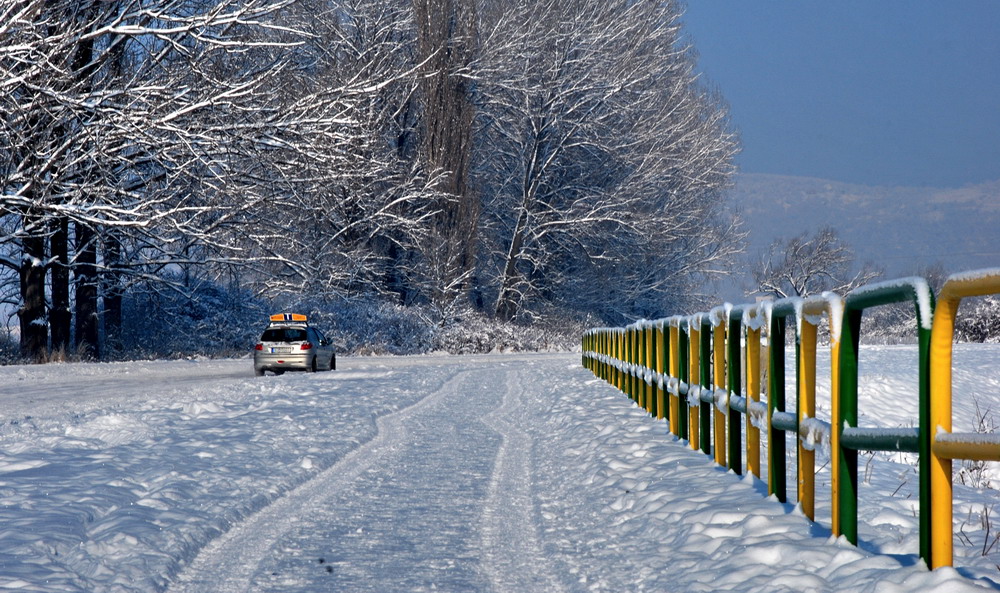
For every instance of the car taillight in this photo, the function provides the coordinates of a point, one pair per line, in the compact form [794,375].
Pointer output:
[258,347]
[305,346]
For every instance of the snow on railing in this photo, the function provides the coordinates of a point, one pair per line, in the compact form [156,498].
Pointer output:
[688,371]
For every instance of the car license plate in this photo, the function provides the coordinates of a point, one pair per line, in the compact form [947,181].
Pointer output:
[280,350]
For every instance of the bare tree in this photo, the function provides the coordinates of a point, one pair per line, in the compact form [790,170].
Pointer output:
[810,264]
[115,123]
[349,207]
[602,158]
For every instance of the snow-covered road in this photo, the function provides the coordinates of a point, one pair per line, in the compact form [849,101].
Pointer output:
[506,473]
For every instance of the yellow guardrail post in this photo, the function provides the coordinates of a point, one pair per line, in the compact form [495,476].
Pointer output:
[752,324]
[620,357]
[632,361]
[719,317]
[640,341]
[806,404]
[609,345]
[675,373]
[694,362]
[945,445]
[640,353]
[640,332]
[602,346]
[661,367]
[807,320]
[651,365]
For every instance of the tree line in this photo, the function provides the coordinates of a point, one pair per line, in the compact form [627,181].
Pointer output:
[519,158]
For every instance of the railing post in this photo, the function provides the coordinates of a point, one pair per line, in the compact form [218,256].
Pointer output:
[633,356]
[806,404]
[751,323]
[675,375]
[776,475]
[940,467]
[894,291]
[835,337]
[719,320]
[847,469]
[706,384]
[651,365]
[694,375]
[640,340]
[955,288]
[661,368]
[620,356]
[682,402]
[733,335]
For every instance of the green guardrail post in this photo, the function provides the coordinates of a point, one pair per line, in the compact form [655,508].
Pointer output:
[848,470]
[665,365]
[653,409]
[776,443]
[705,368]
[633,357]
[916,291]
[684,377]
[735,367]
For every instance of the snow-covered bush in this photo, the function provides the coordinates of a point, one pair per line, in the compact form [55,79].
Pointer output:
[370,326]
[978,320]
[9,348]
[210,320]
[895,323]
[474,333]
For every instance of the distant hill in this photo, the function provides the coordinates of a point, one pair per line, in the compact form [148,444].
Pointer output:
[898,228]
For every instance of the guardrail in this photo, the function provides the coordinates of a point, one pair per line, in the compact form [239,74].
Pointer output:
[689,369]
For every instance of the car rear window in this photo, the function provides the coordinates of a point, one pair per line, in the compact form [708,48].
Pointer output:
[283,334]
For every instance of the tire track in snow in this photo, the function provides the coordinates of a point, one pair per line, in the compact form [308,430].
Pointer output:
[513,556]
[228,563]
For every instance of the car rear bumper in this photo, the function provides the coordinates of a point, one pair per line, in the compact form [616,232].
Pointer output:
[266,361]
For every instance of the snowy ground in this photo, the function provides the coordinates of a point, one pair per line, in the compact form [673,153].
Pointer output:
[506,473]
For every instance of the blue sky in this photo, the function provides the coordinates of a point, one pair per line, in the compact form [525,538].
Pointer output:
[879,92]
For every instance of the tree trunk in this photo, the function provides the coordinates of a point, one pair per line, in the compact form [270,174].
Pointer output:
[34,330]
[112,294]
[446,30]
[507,300]
[60,316]
[87,326]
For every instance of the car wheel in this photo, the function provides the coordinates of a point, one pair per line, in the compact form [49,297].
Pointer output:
[312,366]
[258,372]
[333,361]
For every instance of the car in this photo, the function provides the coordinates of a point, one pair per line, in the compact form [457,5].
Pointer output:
[289,343]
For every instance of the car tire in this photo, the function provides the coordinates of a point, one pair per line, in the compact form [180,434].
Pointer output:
[258,372]
[333,361]
[312,366]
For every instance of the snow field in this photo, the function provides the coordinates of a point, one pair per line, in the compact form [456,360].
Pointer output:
[96,508]
[487,473]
